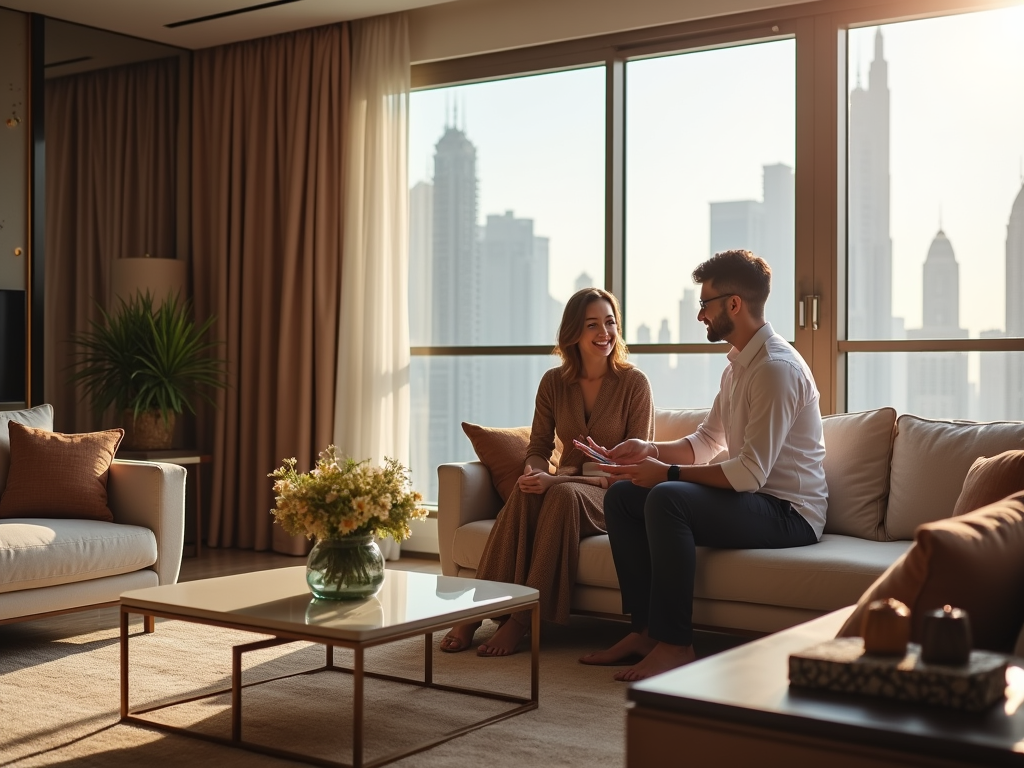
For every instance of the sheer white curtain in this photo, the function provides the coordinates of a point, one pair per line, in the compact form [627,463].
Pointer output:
[371,418]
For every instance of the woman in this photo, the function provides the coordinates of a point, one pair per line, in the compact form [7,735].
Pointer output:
[535,541]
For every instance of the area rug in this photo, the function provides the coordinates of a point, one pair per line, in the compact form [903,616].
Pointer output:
[60,694]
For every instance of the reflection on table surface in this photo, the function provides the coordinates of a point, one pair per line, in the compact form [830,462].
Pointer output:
[279,598]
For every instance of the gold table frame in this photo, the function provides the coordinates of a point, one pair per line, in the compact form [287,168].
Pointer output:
[358,675]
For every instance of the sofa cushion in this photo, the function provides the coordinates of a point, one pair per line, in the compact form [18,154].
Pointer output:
[858,449]
[930,460]
[674,423]
[41,416]
[974,562]
[824,577]
[821,577]
[991,479]
[57,475]
[41,553]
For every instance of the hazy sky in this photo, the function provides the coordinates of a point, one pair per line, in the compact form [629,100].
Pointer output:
[703,124]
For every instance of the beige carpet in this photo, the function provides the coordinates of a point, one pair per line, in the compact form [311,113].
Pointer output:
[59,699]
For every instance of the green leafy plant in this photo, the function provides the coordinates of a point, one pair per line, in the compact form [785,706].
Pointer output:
[142,358]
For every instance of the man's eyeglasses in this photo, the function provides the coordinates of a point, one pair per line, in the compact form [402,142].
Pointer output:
[704,302]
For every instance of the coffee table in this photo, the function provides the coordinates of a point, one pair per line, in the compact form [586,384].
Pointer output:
[278,603]
[736,708]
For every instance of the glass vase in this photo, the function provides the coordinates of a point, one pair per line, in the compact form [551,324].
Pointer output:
[346,568]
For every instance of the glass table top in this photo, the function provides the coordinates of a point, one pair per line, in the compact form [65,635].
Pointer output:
[280,600]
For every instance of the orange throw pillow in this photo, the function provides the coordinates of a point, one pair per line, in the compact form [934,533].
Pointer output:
[974,562]
[59,476]
[991,479]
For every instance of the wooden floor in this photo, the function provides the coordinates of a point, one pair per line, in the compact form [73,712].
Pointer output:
[227,562]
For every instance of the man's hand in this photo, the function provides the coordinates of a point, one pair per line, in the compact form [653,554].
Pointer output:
[647,472]
[535,481]
[631,451]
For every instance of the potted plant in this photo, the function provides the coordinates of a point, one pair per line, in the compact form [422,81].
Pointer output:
[149,363]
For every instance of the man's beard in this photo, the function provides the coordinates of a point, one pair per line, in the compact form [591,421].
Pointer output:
[720,327]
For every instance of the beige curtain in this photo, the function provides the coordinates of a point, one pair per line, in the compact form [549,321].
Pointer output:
[268,123]
[372,406]
[110,193]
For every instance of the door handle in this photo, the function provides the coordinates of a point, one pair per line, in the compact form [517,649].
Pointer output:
[809,306]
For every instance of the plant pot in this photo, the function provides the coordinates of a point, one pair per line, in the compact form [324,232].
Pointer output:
[346,568]
[148,431]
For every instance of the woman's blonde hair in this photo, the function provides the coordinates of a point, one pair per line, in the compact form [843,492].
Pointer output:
[571,330]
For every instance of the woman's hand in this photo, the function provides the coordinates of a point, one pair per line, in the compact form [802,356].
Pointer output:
[646,473]
[631,451]
[535,481]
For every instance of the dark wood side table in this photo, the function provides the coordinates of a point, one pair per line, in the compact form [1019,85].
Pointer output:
[193,462]
[736,708]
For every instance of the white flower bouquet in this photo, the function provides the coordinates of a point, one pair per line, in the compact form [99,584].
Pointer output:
[342,503]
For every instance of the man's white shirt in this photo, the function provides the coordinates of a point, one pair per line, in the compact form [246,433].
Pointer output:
[766,417]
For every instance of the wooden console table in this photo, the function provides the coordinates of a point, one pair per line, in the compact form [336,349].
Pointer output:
[191,460]
[736,708]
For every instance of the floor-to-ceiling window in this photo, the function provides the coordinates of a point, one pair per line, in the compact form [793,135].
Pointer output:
[876,162]
[506,222]
[710,159]
[935,216]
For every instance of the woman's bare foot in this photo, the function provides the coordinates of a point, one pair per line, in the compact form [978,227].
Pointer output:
[632,645]
[662,658]
[459,637]
[504,641]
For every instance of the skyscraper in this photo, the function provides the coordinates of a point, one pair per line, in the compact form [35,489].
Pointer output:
[421,246]
[1014,307]
[937,381]
[869,256]
[454,383]
[766,228]
[514,282]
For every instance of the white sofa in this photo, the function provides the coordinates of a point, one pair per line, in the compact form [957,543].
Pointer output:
[51,566]
[885,477]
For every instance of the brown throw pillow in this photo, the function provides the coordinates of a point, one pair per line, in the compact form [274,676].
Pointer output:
[991,479]
[974,562]
[502,451]
[59,476]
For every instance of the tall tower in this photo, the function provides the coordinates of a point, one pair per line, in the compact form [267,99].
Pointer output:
[454,382]
[937,381]
[869,244]
[1014,308]
[421,248]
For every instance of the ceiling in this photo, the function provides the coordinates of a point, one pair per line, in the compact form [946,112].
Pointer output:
[148,19]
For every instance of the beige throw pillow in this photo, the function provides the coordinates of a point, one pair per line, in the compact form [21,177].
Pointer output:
[858,449]
[41,416]
[59,476]
[930,460]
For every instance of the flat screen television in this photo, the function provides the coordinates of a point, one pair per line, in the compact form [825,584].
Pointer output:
[12,346]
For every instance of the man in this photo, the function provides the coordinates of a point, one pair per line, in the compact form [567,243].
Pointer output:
[769,493]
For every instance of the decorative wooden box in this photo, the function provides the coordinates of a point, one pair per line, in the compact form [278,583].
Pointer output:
[841,665]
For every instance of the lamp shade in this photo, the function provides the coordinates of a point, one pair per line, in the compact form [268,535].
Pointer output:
[160,277]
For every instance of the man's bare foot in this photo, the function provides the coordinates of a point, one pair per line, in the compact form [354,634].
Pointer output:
[504,641]
[632,645]
[662,658]
[459,637]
